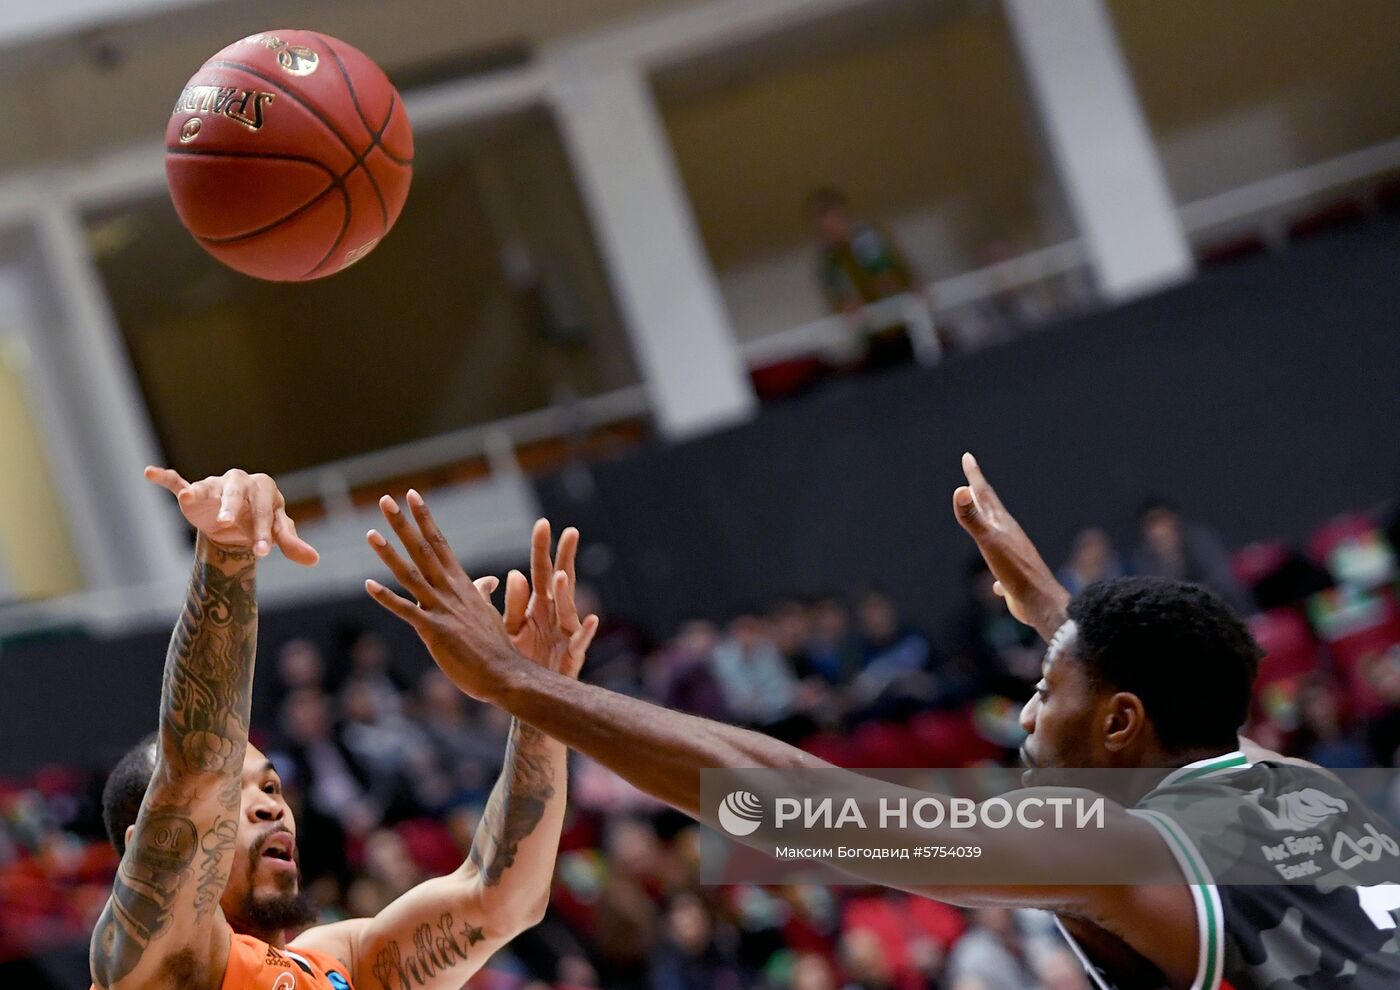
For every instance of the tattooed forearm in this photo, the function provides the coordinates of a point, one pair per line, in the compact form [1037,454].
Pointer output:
[204,706]
[209,666]
[216,848]
[156,864]
[517,802]
[435,948]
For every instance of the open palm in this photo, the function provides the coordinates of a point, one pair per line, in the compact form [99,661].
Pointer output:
[543,624]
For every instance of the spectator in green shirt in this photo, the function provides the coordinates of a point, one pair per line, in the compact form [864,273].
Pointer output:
[861,264]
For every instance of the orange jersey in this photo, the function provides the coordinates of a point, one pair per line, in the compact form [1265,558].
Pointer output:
[255,965]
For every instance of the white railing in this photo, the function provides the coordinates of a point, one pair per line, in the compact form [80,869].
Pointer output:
[838,334]
[1267,198]
[497,441]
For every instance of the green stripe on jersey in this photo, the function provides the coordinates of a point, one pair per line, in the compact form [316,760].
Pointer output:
[1199,879]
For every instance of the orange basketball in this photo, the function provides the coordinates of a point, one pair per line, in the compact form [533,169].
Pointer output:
[289,155]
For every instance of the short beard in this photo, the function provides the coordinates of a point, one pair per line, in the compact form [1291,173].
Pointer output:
[268,916]
[273,914]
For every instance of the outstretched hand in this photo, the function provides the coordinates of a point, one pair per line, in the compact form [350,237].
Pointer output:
[544,623]
[473,644]
[1032,593]
[237,509]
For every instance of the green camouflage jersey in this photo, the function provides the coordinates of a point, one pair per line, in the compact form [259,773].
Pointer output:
[1233,827]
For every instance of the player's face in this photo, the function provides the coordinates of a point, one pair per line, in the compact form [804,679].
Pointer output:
[265,874]
[1059,717]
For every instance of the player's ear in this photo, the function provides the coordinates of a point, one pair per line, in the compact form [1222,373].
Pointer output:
[126,837]
[1125,721]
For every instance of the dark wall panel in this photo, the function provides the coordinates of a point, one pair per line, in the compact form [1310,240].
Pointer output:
[1262,398]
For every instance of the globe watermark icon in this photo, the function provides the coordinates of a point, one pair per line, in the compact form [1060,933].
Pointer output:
[741,813]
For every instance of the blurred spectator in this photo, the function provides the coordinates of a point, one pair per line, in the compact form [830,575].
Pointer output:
[995,652]
[299,665]
[1058,969]
[1091,558]
[1383,732]
[467,750]
[914,933]
[812,971]
[680,674]
[865,961]
[625,921]
[615,658]
[388,862]
[330,791]
[364,656]
[992,954]
[791,626]
[335,786]
[832,650]
[393,750]
[898,663]
[1171,546]
[692,955]
[596,788]
[1324,737]
[759,687]
[861,264]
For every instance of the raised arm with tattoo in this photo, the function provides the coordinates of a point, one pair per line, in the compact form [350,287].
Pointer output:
[162,925]
[440,932]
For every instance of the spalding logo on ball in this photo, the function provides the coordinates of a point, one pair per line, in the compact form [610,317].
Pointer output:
[289,155]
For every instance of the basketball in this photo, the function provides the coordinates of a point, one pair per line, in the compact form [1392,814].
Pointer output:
[289,155]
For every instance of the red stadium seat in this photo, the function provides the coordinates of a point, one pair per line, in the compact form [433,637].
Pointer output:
[1291,653]
[1358,628]
[430,845]
[833,747]
[884,744]
[950,739]
[899,925]
[785,378]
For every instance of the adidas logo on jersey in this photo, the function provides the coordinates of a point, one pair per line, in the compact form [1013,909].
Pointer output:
[1298,811]
[275,958]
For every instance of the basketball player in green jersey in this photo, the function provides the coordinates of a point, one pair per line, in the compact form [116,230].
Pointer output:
[1140,673]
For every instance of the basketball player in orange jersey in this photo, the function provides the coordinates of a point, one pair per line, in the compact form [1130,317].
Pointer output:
[208,883]
[1140,673]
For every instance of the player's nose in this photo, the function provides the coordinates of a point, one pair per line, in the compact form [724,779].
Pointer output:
[266,808]
[1029,712]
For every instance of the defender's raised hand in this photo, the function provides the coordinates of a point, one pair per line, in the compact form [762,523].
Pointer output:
[237,509]
[1022,578]
[544,624]
[452,615]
